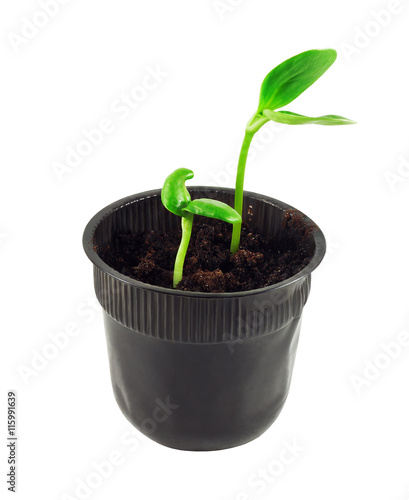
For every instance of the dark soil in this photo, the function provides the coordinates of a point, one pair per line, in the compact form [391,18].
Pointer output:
[209,266]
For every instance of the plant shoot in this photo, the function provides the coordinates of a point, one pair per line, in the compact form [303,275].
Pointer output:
[176,198]
[280,87]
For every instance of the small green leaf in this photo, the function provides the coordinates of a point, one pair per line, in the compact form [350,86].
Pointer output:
[213,208]
[292,77]
[174,194]
[296,119]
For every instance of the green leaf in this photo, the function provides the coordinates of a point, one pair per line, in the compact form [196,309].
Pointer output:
[292,77]
[213,208]
[296,119]
[174,194]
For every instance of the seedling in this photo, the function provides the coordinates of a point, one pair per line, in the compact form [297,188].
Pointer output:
[281,86]
[176,199]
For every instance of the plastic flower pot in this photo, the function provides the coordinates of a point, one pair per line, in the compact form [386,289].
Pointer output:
[196,370]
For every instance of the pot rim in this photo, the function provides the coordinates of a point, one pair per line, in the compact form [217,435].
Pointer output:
[88,245]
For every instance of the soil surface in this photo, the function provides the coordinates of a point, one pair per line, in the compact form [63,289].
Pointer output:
[209,266]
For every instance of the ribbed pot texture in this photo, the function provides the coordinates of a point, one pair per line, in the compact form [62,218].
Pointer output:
[195,370]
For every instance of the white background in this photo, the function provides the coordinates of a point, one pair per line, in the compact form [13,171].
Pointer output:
[68,75]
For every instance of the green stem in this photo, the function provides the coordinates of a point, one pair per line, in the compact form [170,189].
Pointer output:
[238,195]
[187,224]
[254,124]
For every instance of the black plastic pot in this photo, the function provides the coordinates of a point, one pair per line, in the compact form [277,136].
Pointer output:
[194,370]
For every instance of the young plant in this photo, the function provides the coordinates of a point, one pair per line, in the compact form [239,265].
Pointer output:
[281,86]
[176,199]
